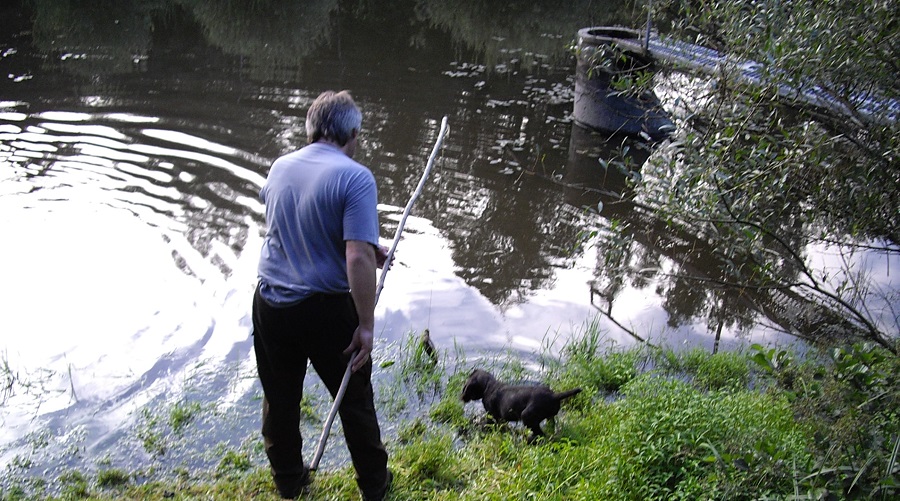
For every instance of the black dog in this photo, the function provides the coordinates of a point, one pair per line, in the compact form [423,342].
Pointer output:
[530,404]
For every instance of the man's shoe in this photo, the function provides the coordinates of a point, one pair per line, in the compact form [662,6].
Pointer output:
[292,485]
[379,494]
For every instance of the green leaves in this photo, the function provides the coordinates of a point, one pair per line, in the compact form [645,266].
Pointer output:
[767,182]
[770,360]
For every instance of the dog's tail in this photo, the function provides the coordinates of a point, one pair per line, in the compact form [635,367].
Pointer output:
[566,394]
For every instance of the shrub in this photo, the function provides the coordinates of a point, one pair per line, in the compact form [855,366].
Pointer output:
[851,403]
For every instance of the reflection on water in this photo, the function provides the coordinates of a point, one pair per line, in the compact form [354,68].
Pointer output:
[134,137]
[523,33]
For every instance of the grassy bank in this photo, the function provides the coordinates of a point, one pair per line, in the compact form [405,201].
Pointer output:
[650,424]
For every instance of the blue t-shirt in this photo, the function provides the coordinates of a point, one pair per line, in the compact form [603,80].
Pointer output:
[316,199]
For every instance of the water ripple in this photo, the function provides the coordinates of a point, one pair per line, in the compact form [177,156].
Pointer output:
[110,160]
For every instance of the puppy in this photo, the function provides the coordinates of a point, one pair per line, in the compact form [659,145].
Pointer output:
[530,404]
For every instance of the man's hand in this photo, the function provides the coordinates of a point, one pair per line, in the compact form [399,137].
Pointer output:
[381,253]
[360,347]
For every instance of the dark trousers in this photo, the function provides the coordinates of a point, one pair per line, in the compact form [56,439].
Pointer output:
[316,330]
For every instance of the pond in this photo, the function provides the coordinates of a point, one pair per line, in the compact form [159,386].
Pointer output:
[134,137]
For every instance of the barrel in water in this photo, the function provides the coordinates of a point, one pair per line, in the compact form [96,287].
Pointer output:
[605,98]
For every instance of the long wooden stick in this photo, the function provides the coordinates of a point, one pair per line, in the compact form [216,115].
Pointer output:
[339,397]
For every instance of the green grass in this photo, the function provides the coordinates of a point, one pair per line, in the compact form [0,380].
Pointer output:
[650,424]
[181,414]
[724,370]
[112,477]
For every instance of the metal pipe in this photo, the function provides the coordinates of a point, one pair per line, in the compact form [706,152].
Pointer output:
[339,397]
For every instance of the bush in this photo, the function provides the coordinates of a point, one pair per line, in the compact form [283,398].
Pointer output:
[850,402]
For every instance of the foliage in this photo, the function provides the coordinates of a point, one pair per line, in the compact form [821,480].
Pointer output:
[765,424]
[593,364]
[831,43]
[155,432]
[419,368]
[181,414]
[771,360]
[766,181]
[655,443]
[233,464]
[149,432]
[688,442]
[849,399]
[113,477]
[308,409]
[720,371]
[427,466]
[626,73]
[74,485]
[419,365]
[13,381]
[449,409]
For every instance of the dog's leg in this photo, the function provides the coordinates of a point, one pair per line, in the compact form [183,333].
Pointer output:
[536,435]
[533,423]
[535,413]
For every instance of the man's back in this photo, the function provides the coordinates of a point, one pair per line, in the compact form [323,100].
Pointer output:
[316,199]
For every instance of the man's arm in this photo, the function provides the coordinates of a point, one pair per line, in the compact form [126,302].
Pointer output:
[361,265]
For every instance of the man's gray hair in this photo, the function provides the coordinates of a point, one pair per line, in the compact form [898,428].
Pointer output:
[333,116]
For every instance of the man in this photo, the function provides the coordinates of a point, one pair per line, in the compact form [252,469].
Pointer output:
[316,295]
